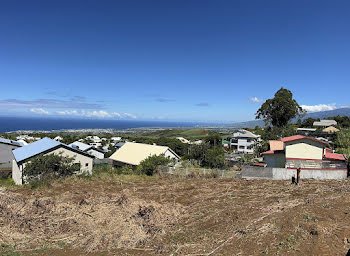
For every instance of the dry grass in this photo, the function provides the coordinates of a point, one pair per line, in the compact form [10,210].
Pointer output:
[179,216]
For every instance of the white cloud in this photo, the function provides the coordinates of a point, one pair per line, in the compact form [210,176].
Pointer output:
[95,113]
[99,114]
[116,114]
[129,115]
[68,113]
[256,100]
[319,107]
[39,111]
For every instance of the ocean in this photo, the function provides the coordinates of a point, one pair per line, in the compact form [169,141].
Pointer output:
[47,124]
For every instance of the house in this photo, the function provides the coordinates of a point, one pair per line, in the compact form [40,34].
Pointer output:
[58,138]
[22,142]
[330,130]
[91,150]
[46,146]
[313,156]
[244,141]
[115,139]
[306,131]
[119,145]
[325,123]
[183,140]
[6,156]
[133,153]
[197,142]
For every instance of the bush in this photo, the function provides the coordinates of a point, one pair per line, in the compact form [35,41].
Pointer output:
[215,158]
[44,168]
[150,164]
[126,169]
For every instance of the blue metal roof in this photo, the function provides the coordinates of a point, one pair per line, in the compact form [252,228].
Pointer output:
[12,142]
[34,148]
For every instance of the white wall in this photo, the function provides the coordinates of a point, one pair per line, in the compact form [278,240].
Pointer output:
[16,173]
[304,149]
[287,174]
[170,154]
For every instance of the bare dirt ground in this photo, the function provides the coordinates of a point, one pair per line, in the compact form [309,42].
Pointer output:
[176,216]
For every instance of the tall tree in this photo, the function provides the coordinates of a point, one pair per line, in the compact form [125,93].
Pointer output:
[279,110]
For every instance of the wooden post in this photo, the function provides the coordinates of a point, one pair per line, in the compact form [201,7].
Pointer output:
[298,175]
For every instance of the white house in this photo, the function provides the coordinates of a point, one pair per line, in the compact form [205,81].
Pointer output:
[58,138]
[6,156]
[244,141]
[116,139]
[313,156]
[133,153]
[183,140]
[88,149]
[325,123]
[47,146]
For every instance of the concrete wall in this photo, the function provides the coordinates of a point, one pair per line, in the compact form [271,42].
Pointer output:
[287,174]
[16,173]
[305,149]
[250,172]
[275,160]
[6,156]
[103,161]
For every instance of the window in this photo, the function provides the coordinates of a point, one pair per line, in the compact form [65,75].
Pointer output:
[87,164]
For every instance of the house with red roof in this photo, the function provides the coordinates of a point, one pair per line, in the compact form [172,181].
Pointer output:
[309,154]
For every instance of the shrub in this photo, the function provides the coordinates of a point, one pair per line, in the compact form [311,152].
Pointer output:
[150,164]
[126,169]
[215,158]
[44,168]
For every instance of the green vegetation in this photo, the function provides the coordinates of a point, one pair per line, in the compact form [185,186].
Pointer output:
[279,110]
[6,182]
[44,168]
[150,164]
[214,158]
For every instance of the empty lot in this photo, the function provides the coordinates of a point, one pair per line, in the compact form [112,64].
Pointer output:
[130,215]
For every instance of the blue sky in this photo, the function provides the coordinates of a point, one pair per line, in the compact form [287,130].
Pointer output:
[171,60]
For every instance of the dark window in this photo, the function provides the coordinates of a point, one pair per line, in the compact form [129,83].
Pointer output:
[87,164]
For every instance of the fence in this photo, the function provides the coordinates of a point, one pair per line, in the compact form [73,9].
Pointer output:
[197,171]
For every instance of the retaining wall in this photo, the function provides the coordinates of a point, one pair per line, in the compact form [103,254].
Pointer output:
[287,174]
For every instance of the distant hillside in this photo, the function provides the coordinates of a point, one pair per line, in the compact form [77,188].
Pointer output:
[315,115]
[325,114]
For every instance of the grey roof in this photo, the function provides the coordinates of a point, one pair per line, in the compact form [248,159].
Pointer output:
[119,144]
[83,147]
[34,148]
[325,123]
[39,147]
[307,129]
[11,142]
[80,145]
[245,134]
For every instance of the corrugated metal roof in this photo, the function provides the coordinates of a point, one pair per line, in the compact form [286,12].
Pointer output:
[79,145]
[11,142]
[301,137]
[34,148]
[133,153]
